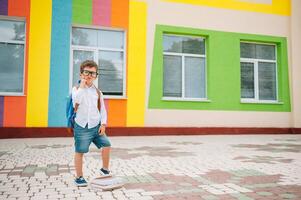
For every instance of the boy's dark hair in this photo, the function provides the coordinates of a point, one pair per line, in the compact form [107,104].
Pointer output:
[88,63]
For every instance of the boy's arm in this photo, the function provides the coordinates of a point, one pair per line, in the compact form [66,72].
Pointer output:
[77,95]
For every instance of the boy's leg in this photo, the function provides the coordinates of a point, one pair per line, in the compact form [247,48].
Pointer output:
[105,154]
[78,162]
[83,138]
[103,142]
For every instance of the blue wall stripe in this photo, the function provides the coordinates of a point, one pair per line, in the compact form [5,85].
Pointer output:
[59,63]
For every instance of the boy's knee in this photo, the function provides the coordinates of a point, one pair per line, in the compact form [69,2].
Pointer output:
[81,150]
[107,144]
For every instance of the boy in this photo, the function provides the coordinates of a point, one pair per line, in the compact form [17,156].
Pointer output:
[90,122]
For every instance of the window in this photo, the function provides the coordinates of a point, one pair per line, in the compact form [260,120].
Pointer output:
[105,47]
[184,74]
[12,42]
[258,72]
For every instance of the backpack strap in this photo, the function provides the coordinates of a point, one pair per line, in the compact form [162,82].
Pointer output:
[98,102]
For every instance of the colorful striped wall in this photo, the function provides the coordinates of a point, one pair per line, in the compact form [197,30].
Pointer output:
[104,13]
[47,57]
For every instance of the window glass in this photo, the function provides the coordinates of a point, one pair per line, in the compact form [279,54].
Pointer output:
[184,60]
[247,80]
[179,44]
[193,45]
[247,50]
[172,79]
[195,77]
[258,51]
[12,41]
[12,67]
[84,37]
[110,39]
[111,72]
[172,44]
[78,58]
[266,52]
[105,47]
[12,30]
[258,71]
[267,81]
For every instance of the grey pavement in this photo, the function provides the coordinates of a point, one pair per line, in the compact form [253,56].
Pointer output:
[207,167]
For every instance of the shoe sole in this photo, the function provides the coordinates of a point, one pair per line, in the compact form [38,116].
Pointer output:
[104,175]
[81,185]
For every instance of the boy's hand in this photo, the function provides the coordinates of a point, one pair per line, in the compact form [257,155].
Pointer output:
[83,83]
[102,130]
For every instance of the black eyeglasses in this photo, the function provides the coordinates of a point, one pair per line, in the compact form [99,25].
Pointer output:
[87,72]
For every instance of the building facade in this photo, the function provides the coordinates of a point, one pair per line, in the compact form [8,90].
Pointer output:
[163,63]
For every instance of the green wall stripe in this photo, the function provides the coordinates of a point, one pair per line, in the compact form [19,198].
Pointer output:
[223,72]
[82,11]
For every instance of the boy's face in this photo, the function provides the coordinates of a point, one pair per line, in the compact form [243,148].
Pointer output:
[89,74]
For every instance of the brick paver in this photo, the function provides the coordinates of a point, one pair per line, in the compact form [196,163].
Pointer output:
[157,168]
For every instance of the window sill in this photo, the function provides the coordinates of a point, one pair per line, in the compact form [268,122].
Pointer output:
[261,102]
[186,99]
[115,97]
[12,95]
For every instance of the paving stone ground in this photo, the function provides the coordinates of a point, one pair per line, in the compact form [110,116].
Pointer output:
[216,167]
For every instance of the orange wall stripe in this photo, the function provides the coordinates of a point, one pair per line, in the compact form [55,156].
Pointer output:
[119,19]
[117,112]
[120,14]
[15,107]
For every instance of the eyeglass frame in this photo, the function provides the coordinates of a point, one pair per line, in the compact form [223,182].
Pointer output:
[89,73]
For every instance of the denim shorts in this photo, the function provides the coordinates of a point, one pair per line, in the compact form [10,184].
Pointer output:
[84,136]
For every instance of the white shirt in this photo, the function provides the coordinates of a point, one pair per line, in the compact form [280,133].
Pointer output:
[87,112]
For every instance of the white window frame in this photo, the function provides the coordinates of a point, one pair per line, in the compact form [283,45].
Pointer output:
[18,19]
[255,62]
[183,56]
[95,51]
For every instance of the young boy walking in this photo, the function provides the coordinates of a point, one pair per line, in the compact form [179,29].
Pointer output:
[90,121]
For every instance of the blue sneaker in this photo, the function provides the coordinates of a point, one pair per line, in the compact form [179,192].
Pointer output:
[80,181]
[105,172]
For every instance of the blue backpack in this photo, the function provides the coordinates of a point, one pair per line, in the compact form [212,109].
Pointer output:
[71,111]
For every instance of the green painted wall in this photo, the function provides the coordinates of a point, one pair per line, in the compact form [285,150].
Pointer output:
[223,72]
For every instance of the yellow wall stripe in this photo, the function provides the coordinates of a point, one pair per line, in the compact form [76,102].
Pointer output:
[278,7]
[38,63]
[136,63]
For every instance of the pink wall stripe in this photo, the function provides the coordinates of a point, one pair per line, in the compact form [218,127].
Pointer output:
[102,10]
